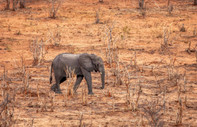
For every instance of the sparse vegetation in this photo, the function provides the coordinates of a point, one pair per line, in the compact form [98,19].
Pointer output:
[150,63]
[37,49]
[54,36]
[54,6]
[15,4]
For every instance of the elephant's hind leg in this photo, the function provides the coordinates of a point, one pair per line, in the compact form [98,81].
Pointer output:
[62,80]
[53,87]
[56,87]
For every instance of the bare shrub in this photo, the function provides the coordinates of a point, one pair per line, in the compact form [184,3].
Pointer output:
[81,124]
[179,114]
[70,82]
[84,96]
[182,29]
[54,35]
[189,49]
[171,69]
[133,100]
[24,75]
[116,69]
[15,2]
[111,44]
[22,3]
[170,7]
[7,5]
[97,18]
[195,2]
[141,4]
[142,7]
[7,105]
[154,112]
[164,46]
[37,49]
[54,6]
[7,112]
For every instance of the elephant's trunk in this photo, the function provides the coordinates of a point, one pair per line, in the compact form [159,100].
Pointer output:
[103,79]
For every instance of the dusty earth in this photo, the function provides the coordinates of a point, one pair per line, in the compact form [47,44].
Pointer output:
[148,83]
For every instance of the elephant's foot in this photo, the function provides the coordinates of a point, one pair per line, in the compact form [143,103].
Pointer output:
[102,87]
[90,93]
[53,87]
[58,91]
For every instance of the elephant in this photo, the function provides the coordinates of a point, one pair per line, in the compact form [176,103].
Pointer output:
[81,64]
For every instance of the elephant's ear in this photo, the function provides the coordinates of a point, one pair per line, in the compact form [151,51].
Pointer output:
[85,62]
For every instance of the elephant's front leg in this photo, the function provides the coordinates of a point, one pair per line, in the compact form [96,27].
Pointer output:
[88,78]
[78,81]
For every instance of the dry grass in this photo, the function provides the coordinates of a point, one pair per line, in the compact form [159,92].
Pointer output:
[150,64]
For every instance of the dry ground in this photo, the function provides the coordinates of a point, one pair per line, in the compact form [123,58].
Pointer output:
[156,83]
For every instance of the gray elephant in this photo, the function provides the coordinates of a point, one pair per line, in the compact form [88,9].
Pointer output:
[81,64]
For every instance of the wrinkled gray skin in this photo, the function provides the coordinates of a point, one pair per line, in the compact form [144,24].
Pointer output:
[81,64]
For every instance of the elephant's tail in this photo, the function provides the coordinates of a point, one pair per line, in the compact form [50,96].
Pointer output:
[50,79]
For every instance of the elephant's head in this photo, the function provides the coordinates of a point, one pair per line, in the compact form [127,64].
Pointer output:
[91,62]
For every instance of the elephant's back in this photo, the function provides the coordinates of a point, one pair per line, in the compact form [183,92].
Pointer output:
[67,59]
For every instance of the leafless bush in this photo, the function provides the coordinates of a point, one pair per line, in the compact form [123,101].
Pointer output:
[44,102]
[110,45]
[170,7]
[7,112]
[134,98]
[179,80]
[37,49]
[179,114]
[195,2]
[7,5]
[182,29]
[81,124]
[24,75]
[190,50]
[171,68]
[142,7]
[84,96]
[133,95]
[15,4]
[97,18]
[54,35]
[7,105]
[164,46]
[22,3]
[153,113]
[141,4]
[116,70]
[112,55]
[51,102]
[54,6]
[70,82]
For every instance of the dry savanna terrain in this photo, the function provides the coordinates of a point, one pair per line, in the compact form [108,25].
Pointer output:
[149,52]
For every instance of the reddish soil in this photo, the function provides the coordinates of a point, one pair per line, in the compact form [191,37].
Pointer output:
[158,73]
